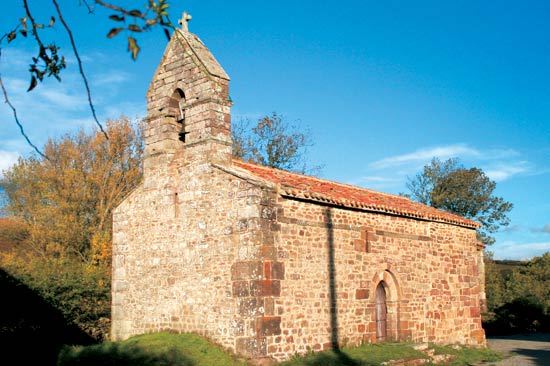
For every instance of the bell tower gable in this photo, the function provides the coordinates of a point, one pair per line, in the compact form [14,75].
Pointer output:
[188,106]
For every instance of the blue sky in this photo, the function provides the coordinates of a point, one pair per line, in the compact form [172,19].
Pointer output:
[383,86]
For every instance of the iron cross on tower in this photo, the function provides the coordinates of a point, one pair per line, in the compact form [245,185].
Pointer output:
[184,21]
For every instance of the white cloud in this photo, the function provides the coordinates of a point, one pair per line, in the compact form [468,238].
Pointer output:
[92,56]
[49,99]
[56,108]
[7,159]
[503,171]
[63,99]
[498,154]
[374,179]
[13,58]
[519,251]
[378,179]
[13,85]
[511,229]
[426,154]
[111,77]
[544,229]
[377,182]
[498,164]
[128,109]
[463,151]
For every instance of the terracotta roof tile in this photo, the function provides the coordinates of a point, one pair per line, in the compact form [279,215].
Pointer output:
[320,190]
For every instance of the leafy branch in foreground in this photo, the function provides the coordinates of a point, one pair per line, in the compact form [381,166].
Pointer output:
[49,61]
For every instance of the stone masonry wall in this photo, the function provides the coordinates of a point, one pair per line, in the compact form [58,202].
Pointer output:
[174,257]
[228,259]
[431,273]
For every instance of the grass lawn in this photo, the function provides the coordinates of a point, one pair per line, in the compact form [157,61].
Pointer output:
[188,349]
[375,354]
[151,350]
[371,354]
[467,355]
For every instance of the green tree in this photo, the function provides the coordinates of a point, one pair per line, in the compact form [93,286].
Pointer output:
[532,282]
[518,300]
[495,286]
[451,187]
[422,185]
[272,142]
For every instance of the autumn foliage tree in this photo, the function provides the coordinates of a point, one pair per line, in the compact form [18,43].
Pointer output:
[67,199]
[64,206]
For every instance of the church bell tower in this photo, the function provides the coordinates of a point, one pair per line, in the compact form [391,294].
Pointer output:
[188,107]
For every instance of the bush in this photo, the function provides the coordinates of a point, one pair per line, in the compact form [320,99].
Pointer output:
[522,315]
[81,292]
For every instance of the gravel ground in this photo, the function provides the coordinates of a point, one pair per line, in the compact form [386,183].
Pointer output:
[526,350]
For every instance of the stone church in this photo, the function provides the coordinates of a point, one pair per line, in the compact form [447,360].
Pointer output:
[269,263]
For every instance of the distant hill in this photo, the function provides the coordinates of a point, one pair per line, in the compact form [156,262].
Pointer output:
[506,266]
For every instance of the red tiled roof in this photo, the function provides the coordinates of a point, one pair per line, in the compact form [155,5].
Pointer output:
[320,190]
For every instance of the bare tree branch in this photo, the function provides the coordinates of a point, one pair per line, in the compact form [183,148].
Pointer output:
[120,10]
[10,35]
[90,7]
[34,31]
[81,70]
[17,120]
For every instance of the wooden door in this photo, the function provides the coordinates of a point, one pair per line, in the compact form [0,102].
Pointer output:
[381,313]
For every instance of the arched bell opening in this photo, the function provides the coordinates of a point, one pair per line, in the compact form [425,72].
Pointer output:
[177,105]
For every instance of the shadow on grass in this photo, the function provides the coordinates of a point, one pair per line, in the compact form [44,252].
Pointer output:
[120,355]
[32,332]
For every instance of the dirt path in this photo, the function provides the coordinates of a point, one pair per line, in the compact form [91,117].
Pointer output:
[527,350]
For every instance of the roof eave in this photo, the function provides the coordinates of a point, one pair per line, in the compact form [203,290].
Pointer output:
[360,206]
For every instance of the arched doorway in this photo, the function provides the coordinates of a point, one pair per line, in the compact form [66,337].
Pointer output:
[381,313]
[385,307]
